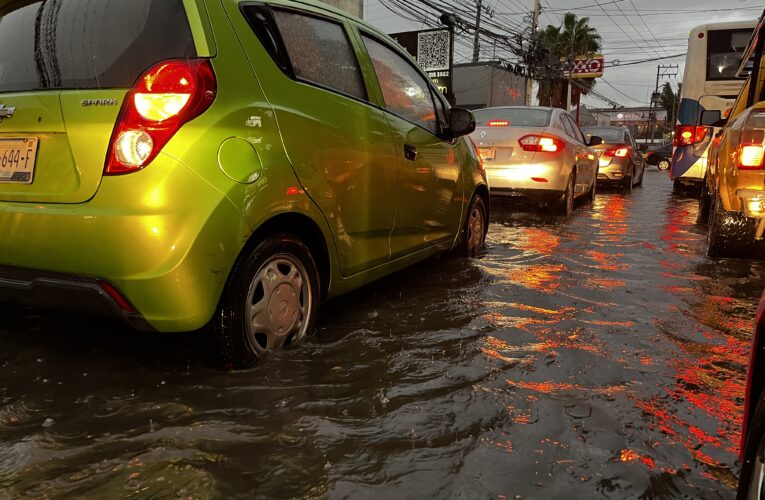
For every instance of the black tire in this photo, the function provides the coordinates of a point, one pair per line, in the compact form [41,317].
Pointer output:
[642,174]
[664,165]
[627,182]
[730,233]
[473,236]
[753,448]
[705,203]
[593,190]
[565,204]
[287,264]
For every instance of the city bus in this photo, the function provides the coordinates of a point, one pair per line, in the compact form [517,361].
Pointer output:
[709,83]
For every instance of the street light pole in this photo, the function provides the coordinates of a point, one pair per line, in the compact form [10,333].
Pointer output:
[476,41]
[534,27]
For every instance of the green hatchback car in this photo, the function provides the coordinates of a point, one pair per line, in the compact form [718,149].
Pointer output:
[222,163]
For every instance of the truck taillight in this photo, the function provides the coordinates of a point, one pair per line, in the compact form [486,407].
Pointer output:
[541,143]
[751,144]
[688,135]
[168,95]
[618,152]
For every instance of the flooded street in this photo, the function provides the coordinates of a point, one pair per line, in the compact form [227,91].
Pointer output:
[599,356]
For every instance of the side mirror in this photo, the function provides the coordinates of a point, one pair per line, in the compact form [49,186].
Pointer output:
[712,118]
[595,141]
[461,122]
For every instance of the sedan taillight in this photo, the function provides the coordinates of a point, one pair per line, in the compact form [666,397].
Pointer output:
[618,152]
[542,143]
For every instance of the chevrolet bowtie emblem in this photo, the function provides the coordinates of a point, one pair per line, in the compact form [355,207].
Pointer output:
[6,112]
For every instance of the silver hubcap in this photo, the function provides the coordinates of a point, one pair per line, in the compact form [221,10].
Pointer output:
[278,303]
[664,165]
[475,230]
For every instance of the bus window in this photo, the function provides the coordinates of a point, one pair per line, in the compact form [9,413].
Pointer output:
[724,49]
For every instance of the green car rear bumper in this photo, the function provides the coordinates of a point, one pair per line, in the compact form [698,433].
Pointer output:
[162,238]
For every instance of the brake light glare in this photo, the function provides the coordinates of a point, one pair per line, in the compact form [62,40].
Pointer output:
[498,123]
[750,156]
[168,95]
[541,144]
[688,135]
[617,152]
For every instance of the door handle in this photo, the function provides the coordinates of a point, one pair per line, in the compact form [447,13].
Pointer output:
[410,152]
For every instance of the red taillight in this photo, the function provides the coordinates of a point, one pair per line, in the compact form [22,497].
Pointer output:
[688,135]
[751,146]
[619,152]
[542,143]
[498,123]
[168,95]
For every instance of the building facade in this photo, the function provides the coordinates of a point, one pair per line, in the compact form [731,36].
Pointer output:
[355,7]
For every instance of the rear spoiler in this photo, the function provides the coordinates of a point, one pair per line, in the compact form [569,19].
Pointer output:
[754,49]
[751,47]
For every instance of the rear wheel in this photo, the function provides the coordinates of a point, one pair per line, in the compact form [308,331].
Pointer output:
[473,238]
[565,204]
[663,165]
[627,182]
[270,301]
[752,480]
[730,233]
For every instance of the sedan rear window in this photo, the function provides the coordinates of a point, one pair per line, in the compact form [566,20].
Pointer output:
[516,117]
[607,134]
[81,44]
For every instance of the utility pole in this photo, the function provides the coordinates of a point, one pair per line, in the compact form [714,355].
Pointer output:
[662,70]
[534,27]
[476,41]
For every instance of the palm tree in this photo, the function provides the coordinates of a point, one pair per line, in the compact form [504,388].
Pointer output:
[574,37]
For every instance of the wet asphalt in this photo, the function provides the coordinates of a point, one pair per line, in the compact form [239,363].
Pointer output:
[600,356]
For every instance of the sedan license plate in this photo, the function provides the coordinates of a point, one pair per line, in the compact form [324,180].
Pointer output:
[487,153]
[17,160]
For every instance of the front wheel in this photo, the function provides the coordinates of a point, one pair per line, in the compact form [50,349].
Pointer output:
[271,300]
[664,165]
[473,237]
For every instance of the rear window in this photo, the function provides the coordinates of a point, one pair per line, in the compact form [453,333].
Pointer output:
[607,134]
[724,49]
[517,117]
[81,44]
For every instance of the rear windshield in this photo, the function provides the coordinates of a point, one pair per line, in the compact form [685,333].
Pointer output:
[85,44]
[517,117]
[607,134]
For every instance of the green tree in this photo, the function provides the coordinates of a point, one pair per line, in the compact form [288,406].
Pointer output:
[574,37]
[669,100]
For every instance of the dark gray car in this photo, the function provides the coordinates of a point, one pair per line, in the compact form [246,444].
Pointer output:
[619,162]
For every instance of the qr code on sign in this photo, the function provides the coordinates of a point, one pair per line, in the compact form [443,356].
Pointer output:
[433,50]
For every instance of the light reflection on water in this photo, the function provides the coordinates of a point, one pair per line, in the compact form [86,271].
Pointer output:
[600,355]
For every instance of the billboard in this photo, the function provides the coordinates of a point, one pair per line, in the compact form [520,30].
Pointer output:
[591,66]
[433,51]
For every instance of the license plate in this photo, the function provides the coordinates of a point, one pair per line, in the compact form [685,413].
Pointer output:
[17,160]
[487,153]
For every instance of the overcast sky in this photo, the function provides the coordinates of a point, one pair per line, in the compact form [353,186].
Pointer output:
[631,30]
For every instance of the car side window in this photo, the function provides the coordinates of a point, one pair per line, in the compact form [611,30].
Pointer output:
[567,126]
[577,134]
[405,91]
[320,52]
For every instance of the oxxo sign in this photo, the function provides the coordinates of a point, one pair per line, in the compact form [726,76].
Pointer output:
[591,66]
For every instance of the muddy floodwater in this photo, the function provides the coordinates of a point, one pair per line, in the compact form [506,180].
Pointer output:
[599,356]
